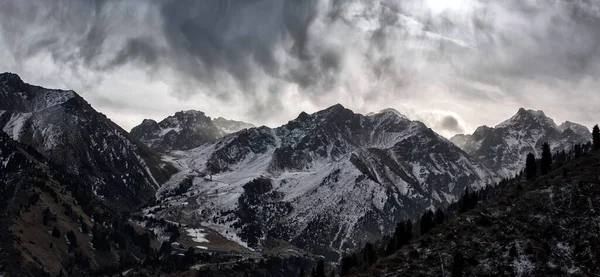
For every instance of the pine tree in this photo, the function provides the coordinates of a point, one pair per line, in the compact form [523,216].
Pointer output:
[55,232]
[530,166]
[546,161]
[578,150]
[369,255]
[427,222]
[473,199]
[409,231]
[319,271]
[439,216]
[465,202]
[596,136]
[458,265]
[72,239]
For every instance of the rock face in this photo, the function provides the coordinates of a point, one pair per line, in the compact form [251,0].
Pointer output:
[68,131]
[503,148]
[185,130]
[326,182]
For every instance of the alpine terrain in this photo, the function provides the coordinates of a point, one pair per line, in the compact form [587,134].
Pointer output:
[503,148]
[325,182]
[68,131]
[185,130]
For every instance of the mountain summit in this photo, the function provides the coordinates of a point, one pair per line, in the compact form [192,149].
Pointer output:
[185,130]
[503,148]
[68,131]
[325,182]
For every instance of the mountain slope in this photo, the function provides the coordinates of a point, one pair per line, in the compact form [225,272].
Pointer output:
[66,129]
[325,182]
[504,147]
[49,223]
[185,130]
[544,228]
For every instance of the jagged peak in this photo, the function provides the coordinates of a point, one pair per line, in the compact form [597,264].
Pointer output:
[524,115]
[148,122]
[391,111]
[569,128]
[189,113]
[11,80]
[10,76]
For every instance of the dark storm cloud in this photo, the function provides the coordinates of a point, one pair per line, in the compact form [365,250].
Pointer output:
[451,124]
[265,52]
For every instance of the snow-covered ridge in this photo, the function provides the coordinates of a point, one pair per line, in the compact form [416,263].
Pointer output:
[335,173]
[523,116]
[504,147]
[185,130]
[65,128]
[15,94]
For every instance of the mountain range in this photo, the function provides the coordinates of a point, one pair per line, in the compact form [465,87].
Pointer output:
[503,148]
[324,183]
[185,130]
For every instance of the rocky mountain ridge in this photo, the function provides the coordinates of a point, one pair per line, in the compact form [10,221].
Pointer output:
[67,130]
[325,182]
[503,148]
[185,130]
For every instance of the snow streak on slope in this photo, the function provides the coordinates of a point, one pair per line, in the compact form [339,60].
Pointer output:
[326,182]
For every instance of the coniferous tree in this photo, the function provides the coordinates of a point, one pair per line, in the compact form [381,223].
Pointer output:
[530,166]
[427,222]
[72,239]
[596,136]
[55,232]
[578,150]
[458,265]
[84,228]
[319,271]
[465,202]
[369,255]
[473,200]
[546,161]
[409,231]
[439,216]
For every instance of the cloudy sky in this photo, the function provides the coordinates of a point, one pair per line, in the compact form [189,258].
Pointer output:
[454,64]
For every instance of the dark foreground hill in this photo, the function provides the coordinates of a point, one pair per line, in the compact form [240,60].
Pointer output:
[547,227]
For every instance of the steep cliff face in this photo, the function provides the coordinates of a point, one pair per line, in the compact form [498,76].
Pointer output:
[326,182]
[503,148]
[67,130]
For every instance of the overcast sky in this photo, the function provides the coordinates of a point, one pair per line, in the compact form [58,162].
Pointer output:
[453,64]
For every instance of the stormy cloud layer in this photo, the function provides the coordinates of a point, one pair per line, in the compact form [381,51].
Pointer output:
[454,64]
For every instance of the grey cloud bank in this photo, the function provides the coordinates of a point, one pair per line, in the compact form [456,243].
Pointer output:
[453,64]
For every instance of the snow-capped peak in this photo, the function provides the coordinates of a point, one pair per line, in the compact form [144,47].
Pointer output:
[527,117]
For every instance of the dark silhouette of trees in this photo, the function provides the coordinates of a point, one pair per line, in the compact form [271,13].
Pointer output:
[439,216]
[596,136]
[546,161]
[55,232]
[530,166]
[578,150]
[369,254]
[319,270]
[427,222]
[72,240]
[458,265]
